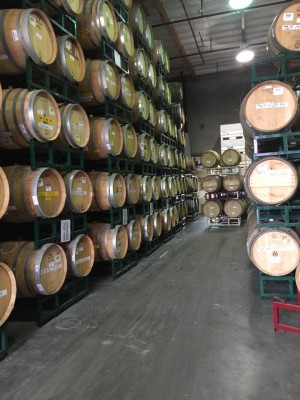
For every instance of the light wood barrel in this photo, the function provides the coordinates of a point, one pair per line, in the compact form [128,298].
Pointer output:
[80,256]
[157,224]
[125,43]
[70,61]
[147,226]
[190,163]
[154,150]
[235,207]
[170,156]
[158,52]
[8,292]
[176,90]
[156,187]
[25,33]
[79,191]
[38,193]
[167,94]
[106,137]
[72,7]
[37,272]
[137,19]
[132,188]
[162,155]
[271,180]
[101,80]
[231,157]
[192,184]
[211,183]
[75,127]
[109,243]
[141,107]
[172,186]
[161,125]
[173,212]
[145,188]
[152,76]
[159,92]
[212,208]
[127,92]
[149,35]
[274,251]
[4,193]
[166,220]
[210,159]
[177,113]
[233,183]
[26,115]
[167,63]
[152,113]
[144,148]
[96,21]
[134,233]
[164,188]
[269,107]
[138,64]
[130,141]
[109,191]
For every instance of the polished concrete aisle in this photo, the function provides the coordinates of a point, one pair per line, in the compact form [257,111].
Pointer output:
[185,323]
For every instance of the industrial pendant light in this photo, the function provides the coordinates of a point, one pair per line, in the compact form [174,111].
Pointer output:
[239,4]
[245,54]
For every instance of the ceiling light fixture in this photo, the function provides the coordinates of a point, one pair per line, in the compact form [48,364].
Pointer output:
[239,4]
[245,54]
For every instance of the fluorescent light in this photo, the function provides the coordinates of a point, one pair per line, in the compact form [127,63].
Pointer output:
[239,4]
[245,55]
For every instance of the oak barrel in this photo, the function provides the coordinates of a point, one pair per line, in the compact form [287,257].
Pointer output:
[144,148]
[152,113]
[157,224]
[79,192]
[37,272]
[72,7]
[233,183]
[134,233]
[231,157]
[235,207]
[132,188]
[147,226]
[162,155]
[109,243]
[158,52]
[145,188]
[26,115]
[161,125]
[156,187]
[25,33]
[271,180]
[130,141]
[149,35]
[138,64]
[166,220]
[125,43]
[141,107]
[212,183]
[159,91]
[34,193]
[109,191]
[164,188]
[176,90]
[137,19]
[152,76]
[4,193]
[127,91]
[80,256]
[154,146]
[106,137]
[210,159]
[8,292]
[212,208]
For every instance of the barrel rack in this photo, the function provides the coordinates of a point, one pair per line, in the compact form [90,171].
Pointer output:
[3,342]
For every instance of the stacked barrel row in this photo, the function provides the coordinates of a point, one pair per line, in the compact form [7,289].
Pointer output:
[271,108]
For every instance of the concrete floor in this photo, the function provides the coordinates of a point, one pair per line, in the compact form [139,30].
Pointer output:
[185,323]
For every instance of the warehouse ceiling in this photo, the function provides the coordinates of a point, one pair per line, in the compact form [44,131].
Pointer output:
[203,37]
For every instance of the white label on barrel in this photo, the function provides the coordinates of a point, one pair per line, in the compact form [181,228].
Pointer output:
[117,58]
[3,293]
[288,17]
[82,260]
[72,58]
[57,258]
[51,267]
[45,126]
[40,111]
[278,91]
[68,45]
[35,200]
[271,249]
[15,35]
[83,179]
[272,104]
[77,127]
[65,230]
[79,192]
[38,35]
[51,111]
[32,20]
[48,188]
[290,27]
[124,216]
[40,182]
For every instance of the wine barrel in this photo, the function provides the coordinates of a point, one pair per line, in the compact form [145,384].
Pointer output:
[4,193]
[157,224]
[233,183]
[154,146]
[166,220]
[79,192]
[235,207]
[75,127]
[159,91]
[106,137]
[167,97]
[283,35]
[152,113]
[147,225]
[156,185]
[167,63]
[192,184]
[176,90]
[130,141]
[134,233]
[101,80]
[109,243]
[269,107]
[125,43]
[96,21]
[137,19]
[164,188]
[170,156]
[37,272]
[212,208]
[173,216]
[138,64]
[172,186]
[109,191]
[210,159]
[141,107]
[271,180]
[72,7]
[274,251]
[162,156]
[152,76]
[8,291]
[144,148]
[176,158]
[158,52]
[149,35]
[161,125]
[26,115]
[190,163]
[212,183]
[25,33]
[145,188]
[231,157]
[80,256]
[38,193]
[70,61]
[132,188]
[127,91]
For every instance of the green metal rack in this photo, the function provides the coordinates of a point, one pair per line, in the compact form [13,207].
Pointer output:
[165,171]
[108,52]
[148,248]
[112,165]
[285,144]
[166,236]
[141,84]
[121,12]
[111,109]
[140,42]
[277,286]
[147,169]
[166,203]
[119,267]
[164,139]
[114,216]
[279,215]
[146,208]
[3,342]
[144,127]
